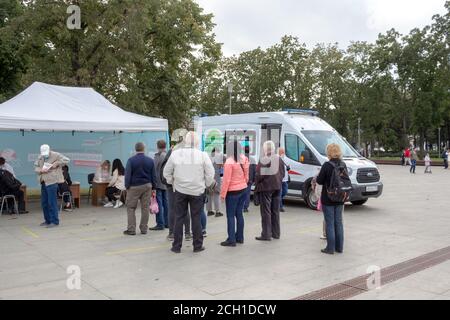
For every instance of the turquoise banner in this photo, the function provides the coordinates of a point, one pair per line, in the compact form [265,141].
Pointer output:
[85,150]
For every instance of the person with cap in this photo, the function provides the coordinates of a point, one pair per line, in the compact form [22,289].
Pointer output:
[48,166]
[190,171]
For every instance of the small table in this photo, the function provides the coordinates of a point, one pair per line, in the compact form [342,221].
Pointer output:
[75,190]
[98,192]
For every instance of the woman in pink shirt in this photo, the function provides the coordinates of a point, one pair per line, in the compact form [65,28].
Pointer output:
[233,192]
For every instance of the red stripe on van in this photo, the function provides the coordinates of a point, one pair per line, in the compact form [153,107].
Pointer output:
[295,173]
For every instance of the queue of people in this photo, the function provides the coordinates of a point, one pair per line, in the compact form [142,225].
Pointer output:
[183,179]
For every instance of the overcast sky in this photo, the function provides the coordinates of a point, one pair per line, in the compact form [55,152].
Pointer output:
[246,24]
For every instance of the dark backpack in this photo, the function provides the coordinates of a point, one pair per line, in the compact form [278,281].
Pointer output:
[8,182]
[340,185]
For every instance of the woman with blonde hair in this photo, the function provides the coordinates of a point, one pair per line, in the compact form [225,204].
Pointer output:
[332,210]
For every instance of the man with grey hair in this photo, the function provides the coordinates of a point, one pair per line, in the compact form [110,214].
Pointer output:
[269,175]
[49,169]
[139,180]
[190,171]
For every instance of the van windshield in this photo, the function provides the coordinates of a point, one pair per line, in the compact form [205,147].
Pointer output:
[320,139]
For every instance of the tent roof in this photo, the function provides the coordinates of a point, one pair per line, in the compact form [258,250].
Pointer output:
[48,107]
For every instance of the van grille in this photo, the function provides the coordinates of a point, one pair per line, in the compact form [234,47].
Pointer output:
[367,175]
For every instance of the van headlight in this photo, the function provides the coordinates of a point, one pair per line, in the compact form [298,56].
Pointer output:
[350,171]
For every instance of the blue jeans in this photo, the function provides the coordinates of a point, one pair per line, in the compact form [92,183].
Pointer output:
[248,191]
[334,227]
[284,191]
[235,218]
[49,203]
[413,166]
[162,219]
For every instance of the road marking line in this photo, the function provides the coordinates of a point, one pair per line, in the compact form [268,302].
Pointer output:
[29,232]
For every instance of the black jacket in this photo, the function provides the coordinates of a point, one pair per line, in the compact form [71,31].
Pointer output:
[269,182]
[323,179]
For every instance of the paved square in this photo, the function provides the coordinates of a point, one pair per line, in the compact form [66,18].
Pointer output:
[410,219]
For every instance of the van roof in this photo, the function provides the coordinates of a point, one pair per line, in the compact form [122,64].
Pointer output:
[307,121]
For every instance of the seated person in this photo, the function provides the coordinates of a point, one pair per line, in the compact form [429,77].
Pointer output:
[6,166]
[65,187]
[116,185]
[11,186]
[103,172]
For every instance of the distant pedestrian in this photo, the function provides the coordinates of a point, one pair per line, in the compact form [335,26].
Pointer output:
[269,175]
[407,156]
[285,181]
[190,171]
[427,163]
[162,218]
[414,159]
[402,158]
[332,210]
[49,169]
[139,181]
[445,158]
[233,192]
[213,196]
[251,177]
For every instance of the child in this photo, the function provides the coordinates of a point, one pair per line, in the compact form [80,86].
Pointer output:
[427,163]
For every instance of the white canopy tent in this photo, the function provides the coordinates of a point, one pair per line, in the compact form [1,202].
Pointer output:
[45,107]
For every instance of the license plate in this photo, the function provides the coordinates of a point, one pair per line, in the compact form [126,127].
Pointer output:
[371,188]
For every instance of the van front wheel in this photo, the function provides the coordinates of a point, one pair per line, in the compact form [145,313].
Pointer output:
[359,202]
[311,198]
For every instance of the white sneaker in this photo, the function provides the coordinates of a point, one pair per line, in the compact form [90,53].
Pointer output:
[323,237]
[109,205]
[119,204]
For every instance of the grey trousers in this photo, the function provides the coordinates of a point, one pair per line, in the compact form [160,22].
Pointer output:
[213,199]
[137,194]
[172,213]
[270,214]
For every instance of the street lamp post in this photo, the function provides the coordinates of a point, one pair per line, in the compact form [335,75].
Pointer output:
[230,92]
[359,134]
[439,140]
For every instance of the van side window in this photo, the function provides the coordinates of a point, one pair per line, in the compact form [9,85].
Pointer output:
[298,151]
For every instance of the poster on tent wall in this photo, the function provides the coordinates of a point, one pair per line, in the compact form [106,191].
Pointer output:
[85,150]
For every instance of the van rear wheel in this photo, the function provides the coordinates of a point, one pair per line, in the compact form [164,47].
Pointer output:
[359,202]
[311,198]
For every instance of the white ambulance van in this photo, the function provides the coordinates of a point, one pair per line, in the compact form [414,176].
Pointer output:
[304,136]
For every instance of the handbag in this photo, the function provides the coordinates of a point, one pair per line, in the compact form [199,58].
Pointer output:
[154,209]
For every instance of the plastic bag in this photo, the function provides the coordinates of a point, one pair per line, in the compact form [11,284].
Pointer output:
[154,209]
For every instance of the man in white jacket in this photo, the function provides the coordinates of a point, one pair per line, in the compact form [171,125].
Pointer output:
[189,171]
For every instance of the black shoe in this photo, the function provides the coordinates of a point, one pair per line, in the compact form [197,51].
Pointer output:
[199,249]
[175,250]
[129,233]
[245,210]
[23,211]
[276,238]
[228,244]
[339,251]
[211,213]
[282,210]
[240,241]
[262,239]
[219,214]
[326,251]
[156,228]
